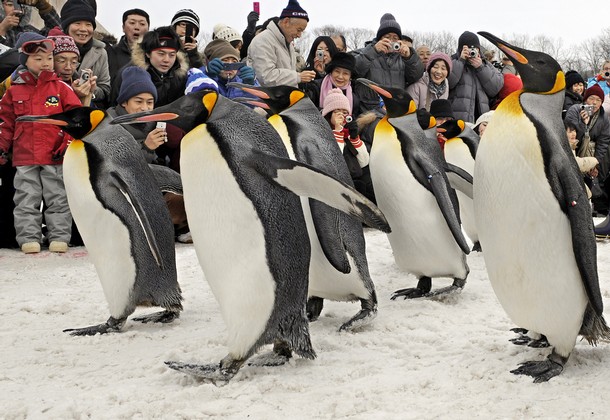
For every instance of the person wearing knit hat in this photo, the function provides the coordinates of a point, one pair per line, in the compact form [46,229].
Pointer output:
[219,54]
[136,22]
[136,81]
[441,110]
[272,53]
[186,24]
[78,21]
[473,80]
[481,123]
[30,39]
[222,31]
[16,17]
[387,60]
[434,83]
[512,84]
[336,110]
[575,87]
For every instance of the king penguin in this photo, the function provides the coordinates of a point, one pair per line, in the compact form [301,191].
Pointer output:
[533,216]
[248,226]
[413,191]
[122,218]
[339,268]
[461,143]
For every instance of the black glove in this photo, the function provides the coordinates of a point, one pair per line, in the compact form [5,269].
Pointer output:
[252,19]
[352,127]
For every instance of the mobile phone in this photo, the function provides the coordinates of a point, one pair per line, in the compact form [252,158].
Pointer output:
[256,6]
[162,125]
[190,31]
[233,66]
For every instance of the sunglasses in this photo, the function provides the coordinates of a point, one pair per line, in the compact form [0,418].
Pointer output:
[32,47]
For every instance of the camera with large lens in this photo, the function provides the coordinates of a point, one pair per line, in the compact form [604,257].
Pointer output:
[606,75]
[587,108]
[396,46]
[472,52]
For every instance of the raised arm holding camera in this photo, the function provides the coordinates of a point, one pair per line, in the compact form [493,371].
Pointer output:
[15,16]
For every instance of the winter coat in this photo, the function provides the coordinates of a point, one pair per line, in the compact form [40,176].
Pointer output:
[227,91]
[169,86]
[139,132]
[386,69]
[571,98]
[118,56]
[470,88]
[273,59]
[96,59]
[35,143]
[421,93]
[599,133]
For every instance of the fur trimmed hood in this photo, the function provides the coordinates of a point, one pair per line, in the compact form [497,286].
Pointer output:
[181,66]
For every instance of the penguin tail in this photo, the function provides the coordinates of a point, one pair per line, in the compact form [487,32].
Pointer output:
[594,327]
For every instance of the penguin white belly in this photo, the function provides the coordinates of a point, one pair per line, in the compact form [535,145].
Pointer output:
[229,240]
[324,280]
[458,154]
[104,234]
[526,237]
[421,240]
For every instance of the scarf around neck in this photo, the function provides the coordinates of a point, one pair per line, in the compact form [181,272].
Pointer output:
[327,85]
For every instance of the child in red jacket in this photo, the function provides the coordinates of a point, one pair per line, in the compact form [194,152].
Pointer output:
[37,149]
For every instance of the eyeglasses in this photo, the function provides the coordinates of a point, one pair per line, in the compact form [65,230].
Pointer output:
[63,62]
[32,47]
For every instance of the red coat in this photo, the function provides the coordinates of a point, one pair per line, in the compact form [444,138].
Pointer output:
[35,143]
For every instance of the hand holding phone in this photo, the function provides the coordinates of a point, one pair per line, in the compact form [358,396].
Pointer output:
[162,125]
[256,6]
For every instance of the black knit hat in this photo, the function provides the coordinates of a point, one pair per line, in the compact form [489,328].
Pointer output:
[162,37]
[441,108]
[135,80]
[470,39]
[343,60]
[75,11]
[388,24]
[573,77]
[294,10]
[188,16]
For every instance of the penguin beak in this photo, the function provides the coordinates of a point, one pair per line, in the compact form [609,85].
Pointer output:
[43,119]
[380,90]
[252,102]
[252,90]
[145,116]
[505,47]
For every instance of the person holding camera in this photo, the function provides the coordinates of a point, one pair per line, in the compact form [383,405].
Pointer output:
[321,53]
[186,24]
[593,132]
[387,60]
[472,80]
[15,16]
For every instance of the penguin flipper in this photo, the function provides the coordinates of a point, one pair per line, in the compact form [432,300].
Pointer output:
[138,209]
[304,180]
[448,209]
[583,237]
[327,223]
[459,179]
[167,179]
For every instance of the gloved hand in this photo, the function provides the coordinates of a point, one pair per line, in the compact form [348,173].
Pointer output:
[352,127]
[215,67]
[252,19]
[3,157]
[246,74]
[43,6]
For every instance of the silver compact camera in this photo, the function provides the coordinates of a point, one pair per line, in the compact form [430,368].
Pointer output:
[348,119]
[587,108]
[472,52]
[320,55]
[396,46]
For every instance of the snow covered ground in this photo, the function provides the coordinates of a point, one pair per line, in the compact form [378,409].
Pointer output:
[419,359]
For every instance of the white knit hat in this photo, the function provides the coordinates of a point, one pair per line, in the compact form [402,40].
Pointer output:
[222,31]
[335,100]
[484,118]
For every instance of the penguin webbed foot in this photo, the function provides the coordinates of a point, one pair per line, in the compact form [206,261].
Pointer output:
[113,325]
[457,286]
[280,354]
[218,374]
[424,285]
[163,317]
[524,339]
[543,370]
[363,317]
[476,247]
[314,308]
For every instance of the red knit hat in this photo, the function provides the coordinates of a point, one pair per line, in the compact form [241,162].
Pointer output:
[593,90]
[512,84]
[63,42]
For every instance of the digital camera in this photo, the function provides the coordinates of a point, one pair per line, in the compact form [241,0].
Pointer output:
[396,46]
[348,119]
[320,55]
[587,108]
[472,52]
[606,75]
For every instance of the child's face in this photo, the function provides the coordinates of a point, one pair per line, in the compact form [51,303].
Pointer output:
[39,61]
[572,137]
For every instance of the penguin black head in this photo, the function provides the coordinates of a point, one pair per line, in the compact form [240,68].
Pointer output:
[539,72]
[186,112]
[77,122]
[425,119]
[275,98]
[451,128]
[397,101]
